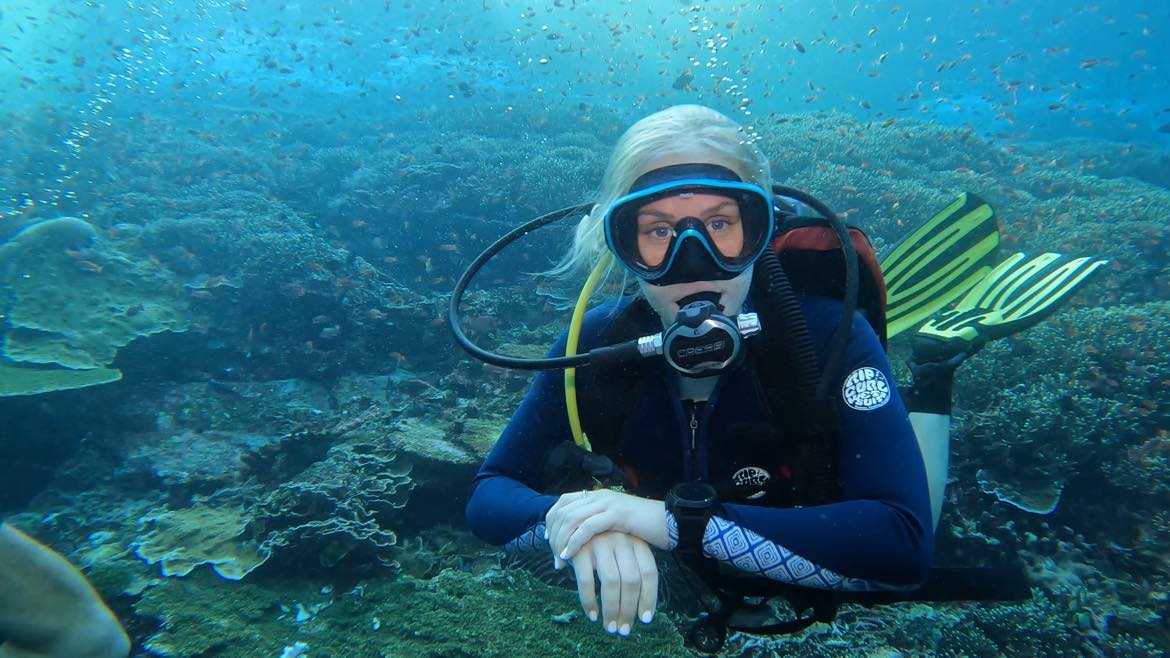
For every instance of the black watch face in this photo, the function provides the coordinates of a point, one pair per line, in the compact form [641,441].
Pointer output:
[694,495]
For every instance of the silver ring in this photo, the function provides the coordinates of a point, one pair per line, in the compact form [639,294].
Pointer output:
[584,495]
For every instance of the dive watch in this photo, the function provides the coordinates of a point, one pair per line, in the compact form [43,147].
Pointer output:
[692,504]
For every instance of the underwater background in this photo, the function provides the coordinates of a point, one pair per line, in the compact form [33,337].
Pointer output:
[229,231]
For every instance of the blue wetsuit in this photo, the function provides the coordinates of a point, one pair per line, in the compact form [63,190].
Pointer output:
[878,536]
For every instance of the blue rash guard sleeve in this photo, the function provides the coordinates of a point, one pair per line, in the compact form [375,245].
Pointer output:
[501,508]
[881,530]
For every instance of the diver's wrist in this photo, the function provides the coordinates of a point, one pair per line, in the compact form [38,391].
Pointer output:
[692,505]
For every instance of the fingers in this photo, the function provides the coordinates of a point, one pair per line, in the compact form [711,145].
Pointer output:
[554,518]
[628,577]
[563,519]
[583,570]
[587,529]
[630,584]
[648,571]
[609,575]
[556,515]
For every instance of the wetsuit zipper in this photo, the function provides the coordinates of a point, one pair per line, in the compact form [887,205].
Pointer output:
[694,441]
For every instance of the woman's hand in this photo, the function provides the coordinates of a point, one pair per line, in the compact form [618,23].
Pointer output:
[579,516]
[628,575]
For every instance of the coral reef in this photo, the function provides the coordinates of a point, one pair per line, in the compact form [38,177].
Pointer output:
[180,540]
[341,506]
[514,614]
[1082,396]
[887,176]
[70,301]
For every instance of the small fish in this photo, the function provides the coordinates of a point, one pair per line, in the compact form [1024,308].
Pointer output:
[329,333]
[1164,128]
[89,266]
[799,46]
[135,310]
[684,80]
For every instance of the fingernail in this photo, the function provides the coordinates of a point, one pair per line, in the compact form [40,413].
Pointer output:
[546,534]
[647,616]
[565,554]
[592,615]
[624,630]
[612,628]
[556,565]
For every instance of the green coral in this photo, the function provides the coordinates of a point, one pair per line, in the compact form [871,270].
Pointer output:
[180,540]
[493,612]
[202,614]
[71,301]
[20,379]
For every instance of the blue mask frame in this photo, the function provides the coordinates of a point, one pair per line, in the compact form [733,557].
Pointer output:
[691,255]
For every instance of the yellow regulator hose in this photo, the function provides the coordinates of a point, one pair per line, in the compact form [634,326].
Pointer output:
[571,350]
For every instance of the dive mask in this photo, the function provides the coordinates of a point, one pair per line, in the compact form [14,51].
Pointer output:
[717,246]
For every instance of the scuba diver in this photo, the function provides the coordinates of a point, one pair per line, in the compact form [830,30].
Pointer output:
[737,407]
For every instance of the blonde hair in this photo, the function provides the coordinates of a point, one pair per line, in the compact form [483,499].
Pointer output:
[676,135]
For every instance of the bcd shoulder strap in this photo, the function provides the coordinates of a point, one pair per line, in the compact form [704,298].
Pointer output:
[811,256]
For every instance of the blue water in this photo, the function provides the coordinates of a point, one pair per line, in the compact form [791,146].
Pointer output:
[1018,71]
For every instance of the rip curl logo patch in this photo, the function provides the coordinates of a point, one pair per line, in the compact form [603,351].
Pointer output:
[866,389]
[752,480]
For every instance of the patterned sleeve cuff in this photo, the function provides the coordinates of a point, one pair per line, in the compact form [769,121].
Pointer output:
[749,552]
[753,554]
[671,532]
[530,541]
